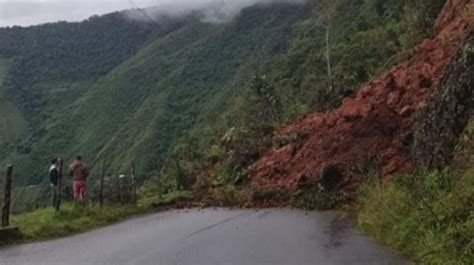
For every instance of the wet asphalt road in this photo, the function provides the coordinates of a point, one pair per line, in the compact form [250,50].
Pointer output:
[208,237]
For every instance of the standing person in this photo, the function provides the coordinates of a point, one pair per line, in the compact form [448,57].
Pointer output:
[54,180]
[79,173]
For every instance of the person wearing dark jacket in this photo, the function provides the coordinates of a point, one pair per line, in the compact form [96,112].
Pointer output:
[79,173]
[54,180]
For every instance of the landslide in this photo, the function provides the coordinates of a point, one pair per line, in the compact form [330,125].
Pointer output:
[372,127]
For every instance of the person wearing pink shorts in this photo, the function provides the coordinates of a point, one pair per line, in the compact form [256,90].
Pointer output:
[79,173]
[79,190]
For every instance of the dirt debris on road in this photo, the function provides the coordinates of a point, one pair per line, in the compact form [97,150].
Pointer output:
[371,126]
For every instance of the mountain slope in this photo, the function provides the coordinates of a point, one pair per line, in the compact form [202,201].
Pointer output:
[12,123]
[136,108]
[365,39]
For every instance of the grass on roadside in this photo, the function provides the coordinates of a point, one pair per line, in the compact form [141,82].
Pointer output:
[166,199]
[430,218]
[46,223]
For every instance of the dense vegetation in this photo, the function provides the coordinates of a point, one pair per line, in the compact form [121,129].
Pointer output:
[190,101]
[194,104]
[120,90]
[364,39]
[12,122]
[428,216]
[46,59]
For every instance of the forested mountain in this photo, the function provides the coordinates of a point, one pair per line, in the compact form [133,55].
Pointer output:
[185,99]
[314,105]
[356,39]
[118,89]
[187,92]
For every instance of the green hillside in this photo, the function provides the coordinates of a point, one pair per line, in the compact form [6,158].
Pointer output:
[364,39]
[132,104]
[202,98]
[195,105]
[12,123]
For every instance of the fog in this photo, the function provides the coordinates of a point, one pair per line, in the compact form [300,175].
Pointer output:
[32,12]
[214,11]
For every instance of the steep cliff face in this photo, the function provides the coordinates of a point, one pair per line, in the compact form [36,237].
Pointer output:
[374,126]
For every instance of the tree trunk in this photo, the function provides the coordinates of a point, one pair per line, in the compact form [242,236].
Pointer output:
[328,55]
[60,177]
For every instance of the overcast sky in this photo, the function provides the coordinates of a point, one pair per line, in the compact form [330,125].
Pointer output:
[32,12]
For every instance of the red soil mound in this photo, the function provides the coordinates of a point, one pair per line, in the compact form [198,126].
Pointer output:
[371,125]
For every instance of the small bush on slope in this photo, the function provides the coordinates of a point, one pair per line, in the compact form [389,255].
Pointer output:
[429,217]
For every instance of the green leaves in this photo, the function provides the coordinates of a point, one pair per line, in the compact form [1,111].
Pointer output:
[427,219]
[120,90]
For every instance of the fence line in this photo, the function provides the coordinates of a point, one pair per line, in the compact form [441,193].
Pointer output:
[114,188]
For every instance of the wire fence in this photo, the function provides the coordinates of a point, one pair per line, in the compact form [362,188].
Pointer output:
[116,189]
[102,188]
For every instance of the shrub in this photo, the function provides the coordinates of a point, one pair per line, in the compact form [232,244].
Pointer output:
[269,196]
[226,196]
[429,218]
[159,200]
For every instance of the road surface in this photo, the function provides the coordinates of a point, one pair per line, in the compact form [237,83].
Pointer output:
[212,236]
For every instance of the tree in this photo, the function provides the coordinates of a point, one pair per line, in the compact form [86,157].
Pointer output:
[264,102]
[329,10]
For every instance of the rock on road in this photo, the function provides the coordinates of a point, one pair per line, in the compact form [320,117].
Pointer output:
[212,236]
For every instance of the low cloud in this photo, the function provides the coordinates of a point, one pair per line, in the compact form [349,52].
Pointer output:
[213,11]
[31,12]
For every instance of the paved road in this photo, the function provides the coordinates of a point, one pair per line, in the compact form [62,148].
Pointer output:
[208,237]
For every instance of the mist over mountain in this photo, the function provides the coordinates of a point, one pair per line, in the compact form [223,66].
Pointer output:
[212,11]
[33,12]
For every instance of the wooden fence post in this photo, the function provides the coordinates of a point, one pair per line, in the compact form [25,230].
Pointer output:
[101,191]
[60,177]
[7,199]
[134,189]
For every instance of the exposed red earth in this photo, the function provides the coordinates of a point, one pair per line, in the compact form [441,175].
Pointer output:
[370,125]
